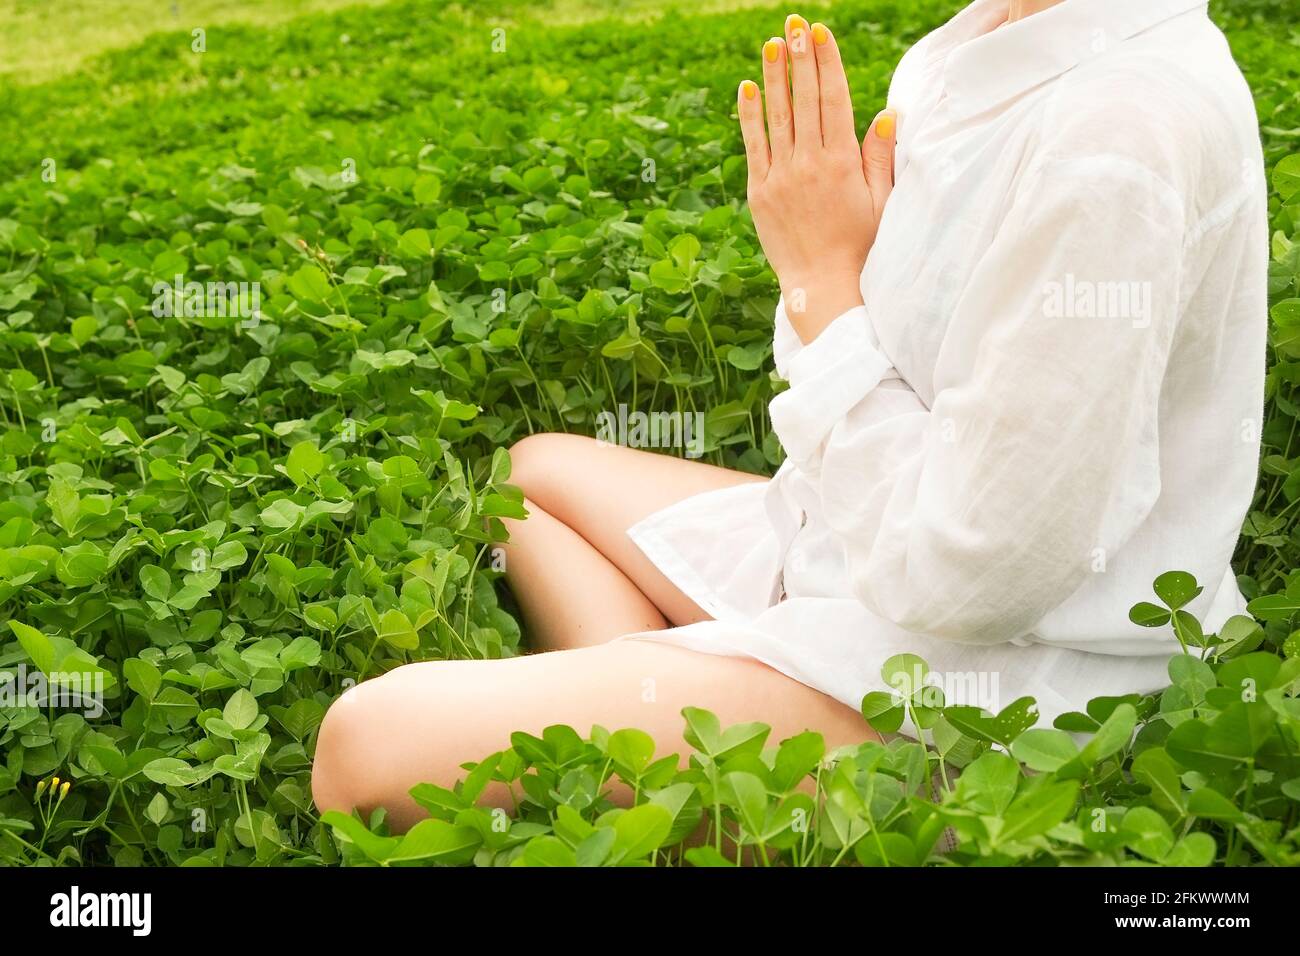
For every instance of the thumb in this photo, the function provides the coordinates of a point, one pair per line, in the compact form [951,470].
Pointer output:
[878,156]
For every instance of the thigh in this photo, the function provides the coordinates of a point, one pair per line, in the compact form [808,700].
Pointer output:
[600,490]
[420,722]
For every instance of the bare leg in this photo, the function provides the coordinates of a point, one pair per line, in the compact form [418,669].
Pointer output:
[410,726]
[582,497]
[581,582]
[570,593]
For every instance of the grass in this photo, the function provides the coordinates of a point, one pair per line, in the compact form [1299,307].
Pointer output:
[43,41]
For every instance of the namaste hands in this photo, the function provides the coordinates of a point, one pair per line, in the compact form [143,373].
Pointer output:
[815,196]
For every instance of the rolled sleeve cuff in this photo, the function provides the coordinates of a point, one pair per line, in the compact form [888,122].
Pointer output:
[827,377]
[785,341]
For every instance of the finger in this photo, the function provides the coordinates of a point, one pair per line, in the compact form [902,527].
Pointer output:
[750,109]
[805,95]
[878,156]
[836,104]
[776,91]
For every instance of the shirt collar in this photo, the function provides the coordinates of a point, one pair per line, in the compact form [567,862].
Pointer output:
[987,66]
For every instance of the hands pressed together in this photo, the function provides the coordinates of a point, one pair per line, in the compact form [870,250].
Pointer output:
[816,195]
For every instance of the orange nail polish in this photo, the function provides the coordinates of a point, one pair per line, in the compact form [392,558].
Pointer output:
[772,50]
[796,24]
[820,34]
[885,125]
[749,89]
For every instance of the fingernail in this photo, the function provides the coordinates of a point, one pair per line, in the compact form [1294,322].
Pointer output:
[885,125]
[749,89]
[796,24]
[771,50]
[820,34]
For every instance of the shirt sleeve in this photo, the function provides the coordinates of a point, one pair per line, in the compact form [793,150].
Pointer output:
[785,341]
[827,377]
[972,519]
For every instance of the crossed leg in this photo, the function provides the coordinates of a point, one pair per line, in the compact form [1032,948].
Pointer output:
[580,582]
[578,577]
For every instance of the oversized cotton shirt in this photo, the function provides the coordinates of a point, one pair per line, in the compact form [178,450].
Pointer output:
[1052,394]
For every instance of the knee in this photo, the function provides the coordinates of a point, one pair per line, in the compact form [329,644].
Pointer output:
[537,461]
[342,777]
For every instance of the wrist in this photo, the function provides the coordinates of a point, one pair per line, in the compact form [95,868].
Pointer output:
[813,304]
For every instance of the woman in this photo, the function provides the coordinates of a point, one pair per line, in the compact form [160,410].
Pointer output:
[1023,325]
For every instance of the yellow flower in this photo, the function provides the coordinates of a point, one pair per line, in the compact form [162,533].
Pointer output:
[54,784]
[40,788]
[67,784]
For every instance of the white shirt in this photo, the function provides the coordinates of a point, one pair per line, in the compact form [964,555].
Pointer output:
[1054,390]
